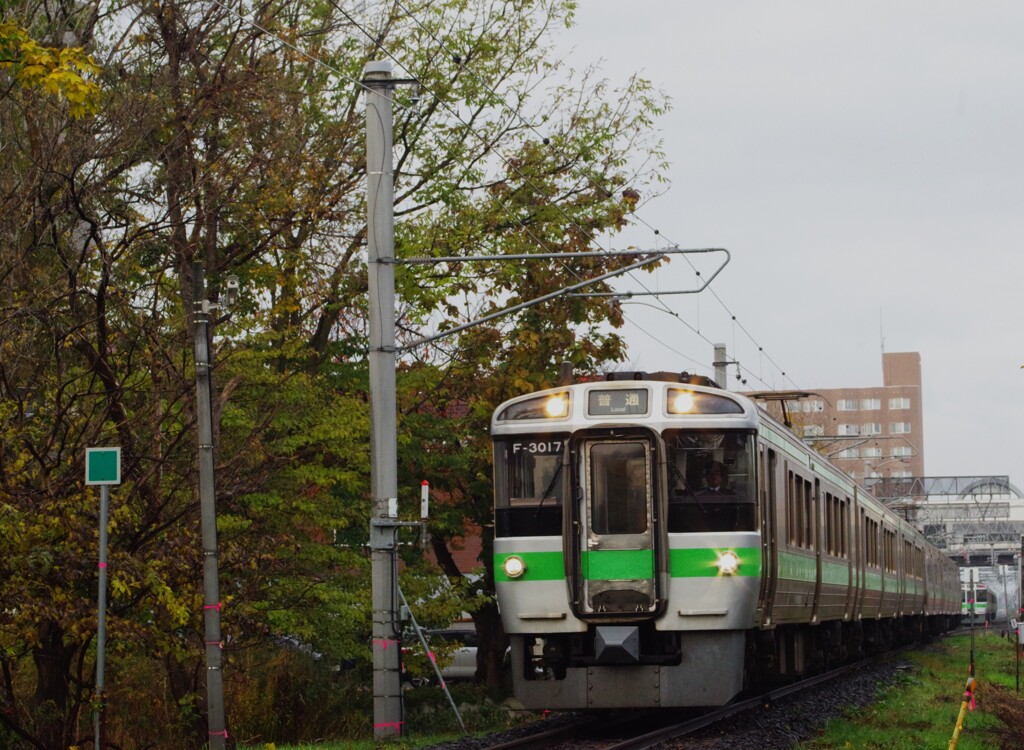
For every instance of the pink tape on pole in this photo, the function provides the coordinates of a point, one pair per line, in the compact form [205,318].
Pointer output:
[222,733]
[103,565]
[216,606]
[218,644]
[396,724]
[433,658]
[383,643]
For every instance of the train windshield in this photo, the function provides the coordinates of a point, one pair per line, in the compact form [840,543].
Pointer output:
[529,484]
[711,481]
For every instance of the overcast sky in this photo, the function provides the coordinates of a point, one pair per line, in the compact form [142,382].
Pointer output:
[864,165]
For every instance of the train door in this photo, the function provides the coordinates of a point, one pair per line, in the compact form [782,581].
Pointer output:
[769,530]
[847,536]
[817,539]
[616,567]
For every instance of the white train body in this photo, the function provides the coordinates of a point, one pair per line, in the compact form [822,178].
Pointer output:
[624,582]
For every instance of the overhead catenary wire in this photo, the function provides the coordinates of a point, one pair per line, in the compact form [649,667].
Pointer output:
[454,113]
[469,129]
[587,176]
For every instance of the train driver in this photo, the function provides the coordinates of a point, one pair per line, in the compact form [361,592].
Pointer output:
[714,479]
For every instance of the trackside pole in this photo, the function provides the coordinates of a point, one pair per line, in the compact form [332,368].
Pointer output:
[966,704]
[101,620]
[102,467]
[380,240]
[216,727]
[970,604]
[1020,646]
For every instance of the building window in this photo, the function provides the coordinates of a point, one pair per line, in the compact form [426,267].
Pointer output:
[871,428]
[899,428]
[848,453]
[792,406]
[901,450]
[846,404]
[899,403]
[869,404]
[814,406]
[847,429]
[812,430]
[902,474]
[872,453]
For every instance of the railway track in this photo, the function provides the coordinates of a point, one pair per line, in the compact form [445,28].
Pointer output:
[633,730]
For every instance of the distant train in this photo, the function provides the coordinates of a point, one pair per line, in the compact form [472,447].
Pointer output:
[663,542]
[984,602]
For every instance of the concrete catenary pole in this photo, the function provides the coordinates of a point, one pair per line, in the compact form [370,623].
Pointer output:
[208,514]
[720,364]
[387,688]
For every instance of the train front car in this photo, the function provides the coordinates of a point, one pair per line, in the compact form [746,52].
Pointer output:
[627,551]
[979,604]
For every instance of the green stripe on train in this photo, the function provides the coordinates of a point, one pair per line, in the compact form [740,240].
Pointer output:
[797,567]
[703,563]
[617,564]
[606,565]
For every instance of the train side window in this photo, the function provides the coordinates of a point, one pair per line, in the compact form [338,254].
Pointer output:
[793,509]
[846,527]
[863,547]
[810,517]
[871,541]
[839,525]
[830,544]
[826,543]
[762,478]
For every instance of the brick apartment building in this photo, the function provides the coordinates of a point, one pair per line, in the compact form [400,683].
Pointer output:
[867,432]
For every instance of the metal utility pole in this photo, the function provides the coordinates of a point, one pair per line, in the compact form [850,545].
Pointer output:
[208,514]
[387,688]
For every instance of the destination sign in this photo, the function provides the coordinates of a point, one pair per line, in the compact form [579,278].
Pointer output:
[604,403]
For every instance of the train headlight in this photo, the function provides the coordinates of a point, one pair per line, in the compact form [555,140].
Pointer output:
[514,566]
[728,563]
[680,402]
[557,406]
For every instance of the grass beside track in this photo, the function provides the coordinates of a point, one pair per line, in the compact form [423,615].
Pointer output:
[917,711]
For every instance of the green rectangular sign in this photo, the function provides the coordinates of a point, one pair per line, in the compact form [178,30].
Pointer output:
[103,466]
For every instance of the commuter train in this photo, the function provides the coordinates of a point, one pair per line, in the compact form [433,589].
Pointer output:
[626,578]
[984,602]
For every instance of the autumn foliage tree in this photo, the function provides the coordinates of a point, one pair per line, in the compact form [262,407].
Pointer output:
[235,137]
